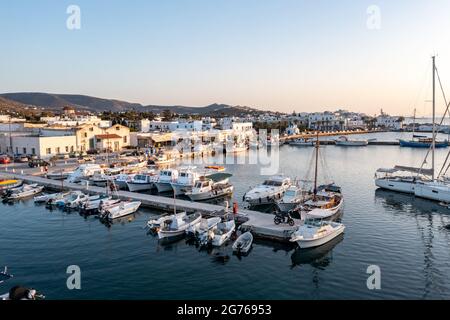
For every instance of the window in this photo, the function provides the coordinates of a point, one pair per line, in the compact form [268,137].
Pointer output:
[49,151]
[33,151]
[24,150]
[58,150]
[99,140]
[67,148]
[91,129]
[125,139]
[117,128]
[85,134]
[71,149]
[17,150]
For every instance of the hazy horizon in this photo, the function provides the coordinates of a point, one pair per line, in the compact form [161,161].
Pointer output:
[284,55]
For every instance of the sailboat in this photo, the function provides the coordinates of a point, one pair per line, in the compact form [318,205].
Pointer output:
[326,201]
[419,141]
[389,179]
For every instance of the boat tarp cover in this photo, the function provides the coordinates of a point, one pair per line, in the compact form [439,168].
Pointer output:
[428,172]
[419,136]
[219,176]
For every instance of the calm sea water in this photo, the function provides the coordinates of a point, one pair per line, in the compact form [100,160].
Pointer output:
[404,236]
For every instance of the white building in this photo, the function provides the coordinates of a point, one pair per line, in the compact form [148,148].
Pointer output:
[170,126]
[41,146]
[390,122]
[76,121]
[325,121]
[292,130]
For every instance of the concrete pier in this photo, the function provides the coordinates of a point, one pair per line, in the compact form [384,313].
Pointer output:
[261,224]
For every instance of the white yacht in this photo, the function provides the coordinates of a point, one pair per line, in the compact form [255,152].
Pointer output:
[83,172]
[269,191]
[122,209]
[165,179]
[185,181]
[400,178]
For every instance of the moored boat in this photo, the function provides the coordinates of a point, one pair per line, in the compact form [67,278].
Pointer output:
[222,233]
[243,244]
[314,233]
[346,142]
[178,225]
[24,191]
[122,209]
[268,192]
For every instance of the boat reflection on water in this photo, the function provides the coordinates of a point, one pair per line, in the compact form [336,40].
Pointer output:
[319,257]
[122,220]
[275,245]
[404,203]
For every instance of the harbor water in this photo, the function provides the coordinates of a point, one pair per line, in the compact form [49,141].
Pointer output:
[402,235]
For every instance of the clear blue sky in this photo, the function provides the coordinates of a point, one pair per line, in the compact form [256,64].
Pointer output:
[281,55]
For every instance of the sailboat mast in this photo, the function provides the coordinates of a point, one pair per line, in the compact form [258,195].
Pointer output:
[414,123]
[317,162]
[434,115]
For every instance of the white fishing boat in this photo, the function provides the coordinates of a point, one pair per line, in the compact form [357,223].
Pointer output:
[71,196]
[7,184]
[185,181]
[61,175]
[155,224]
[162,160]
[142,182]
[46,197]
[222,233]
[314,233]
[302,143]
[24,191]
[100,179]
[83,172]
[346,142]
[121,180]
[211,187]
[178,225]
[201,230]
[122,209]
[95,203]
[165,179]
[293,196]
[269,191]
[77,199]
[243,244]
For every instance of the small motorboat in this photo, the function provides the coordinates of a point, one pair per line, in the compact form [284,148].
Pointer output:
[93,203]
[243,244]
[178,225]
[316,232]
[6,184]
[78,200]
[200,231]
[291,198]
[222,233]
[155,224]
[211,187]
[46,197]
[62,175]
[24,191]
[122,209]
[302,143]
[71,196]
[344,141]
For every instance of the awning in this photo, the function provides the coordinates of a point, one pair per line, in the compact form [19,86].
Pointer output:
[427,172]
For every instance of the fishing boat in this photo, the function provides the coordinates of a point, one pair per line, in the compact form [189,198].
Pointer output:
[201,230]
[161,160]
[71,196]
[165,179]
[268,192]
[83,172]
[185,181]
[178,225]
[155,224]
[24,191]
[121,180]
[222,233]
[62,175]
[302,143]
[211,187]
[93,203]
[243,244]
[316,232]
[49,196]
[7,184]
[122,209]
[142,182]
[291,198]
[346,142]
[77,200]
[419,141]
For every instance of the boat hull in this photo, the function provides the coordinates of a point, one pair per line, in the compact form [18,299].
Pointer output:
[432,191]
[181,189]
[418,144]
[163,187]
[304,244]
[352,143]
[396,185]
[135,187]
[210,194]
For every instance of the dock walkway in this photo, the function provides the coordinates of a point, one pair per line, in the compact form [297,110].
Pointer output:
[261,224]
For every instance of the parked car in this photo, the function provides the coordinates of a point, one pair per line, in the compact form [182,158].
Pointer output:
[93,151]
[62,156]
[85,159]
[33,163]
[20,158]
[5,160]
